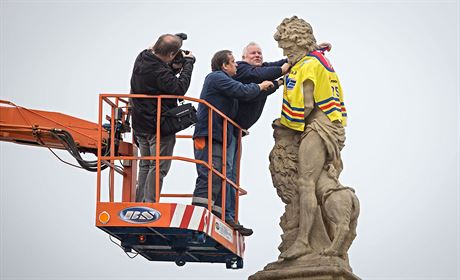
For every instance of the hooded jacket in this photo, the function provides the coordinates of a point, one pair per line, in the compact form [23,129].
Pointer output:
[152,76]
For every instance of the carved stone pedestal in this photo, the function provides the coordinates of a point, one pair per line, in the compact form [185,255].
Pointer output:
[310,267]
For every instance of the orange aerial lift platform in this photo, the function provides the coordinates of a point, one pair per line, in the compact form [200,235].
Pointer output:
[160,231]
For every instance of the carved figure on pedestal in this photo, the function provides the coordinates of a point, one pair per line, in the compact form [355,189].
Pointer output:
[320,219]
[306,162]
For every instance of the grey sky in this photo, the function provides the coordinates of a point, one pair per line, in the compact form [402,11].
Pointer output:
[399,66]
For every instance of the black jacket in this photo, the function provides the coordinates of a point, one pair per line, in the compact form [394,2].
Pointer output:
[152,76]
[250,111]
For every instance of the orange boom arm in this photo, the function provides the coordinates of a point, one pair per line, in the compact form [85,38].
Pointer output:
[41,128]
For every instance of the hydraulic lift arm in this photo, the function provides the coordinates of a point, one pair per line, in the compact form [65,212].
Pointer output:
[56,130]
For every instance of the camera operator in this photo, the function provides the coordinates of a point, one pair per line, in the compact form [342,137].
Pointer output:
[153,75]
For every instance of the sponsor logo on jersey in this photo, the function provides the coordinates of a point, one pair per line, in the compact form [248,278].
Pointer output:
[290,83]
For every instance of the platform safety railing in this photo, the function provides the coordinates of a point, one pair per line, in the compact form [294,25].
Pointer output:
[119,107]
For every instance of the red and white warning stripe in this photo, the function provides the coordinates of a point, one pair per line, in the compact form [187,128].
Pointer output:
[189,217]
[241,246]
[210,224]
[238,242]
[198,218]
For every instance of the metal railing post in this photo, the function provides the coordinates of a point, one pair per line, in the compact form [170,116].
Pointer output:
[157,152]
[210,112]
[99,152]
[238,164]
[224,167]
[112,155]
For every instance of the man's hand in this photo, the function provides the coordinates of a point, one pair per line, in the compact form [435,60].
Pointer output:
[189,56]
[285,68]
[265,85]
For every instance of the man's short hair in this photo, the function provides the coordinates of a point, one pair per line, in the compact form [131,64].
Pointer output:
[220,58]
[245,50]
[167,44]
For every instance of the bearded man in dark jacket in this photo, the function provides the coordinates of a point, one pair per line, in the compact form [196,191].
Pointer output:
[153,75]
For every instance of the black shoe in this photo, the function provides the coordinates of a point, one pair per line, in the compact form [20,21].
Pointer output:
[245,231]
[234,225]
[240,228]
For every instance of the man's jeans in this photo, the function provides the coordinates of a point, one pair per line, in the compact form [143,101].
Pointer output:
[232,150]
[200,195]
[146,188]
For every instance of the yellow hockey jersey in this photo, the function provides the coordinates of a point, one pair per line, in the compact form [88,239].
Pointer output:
[327,93]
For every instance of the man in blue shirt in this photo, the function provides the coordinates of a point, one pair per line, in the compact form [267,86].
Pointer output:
[223,92]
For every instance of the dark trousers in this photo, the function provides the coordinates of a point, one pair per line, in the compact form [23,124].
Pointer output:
[200,194]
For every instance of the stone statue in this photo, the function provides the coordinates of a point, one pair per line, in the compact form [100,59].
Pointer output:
[319,224]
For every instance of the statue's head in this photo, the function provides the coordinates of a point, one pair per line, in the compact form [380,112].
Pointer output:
[295,36]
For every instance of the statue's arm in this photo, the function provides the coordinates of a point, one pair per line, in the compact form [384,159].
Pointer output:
[309,101]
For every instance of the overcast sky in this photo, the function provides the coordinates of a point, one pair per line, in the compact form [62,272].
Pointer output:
[398,62]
